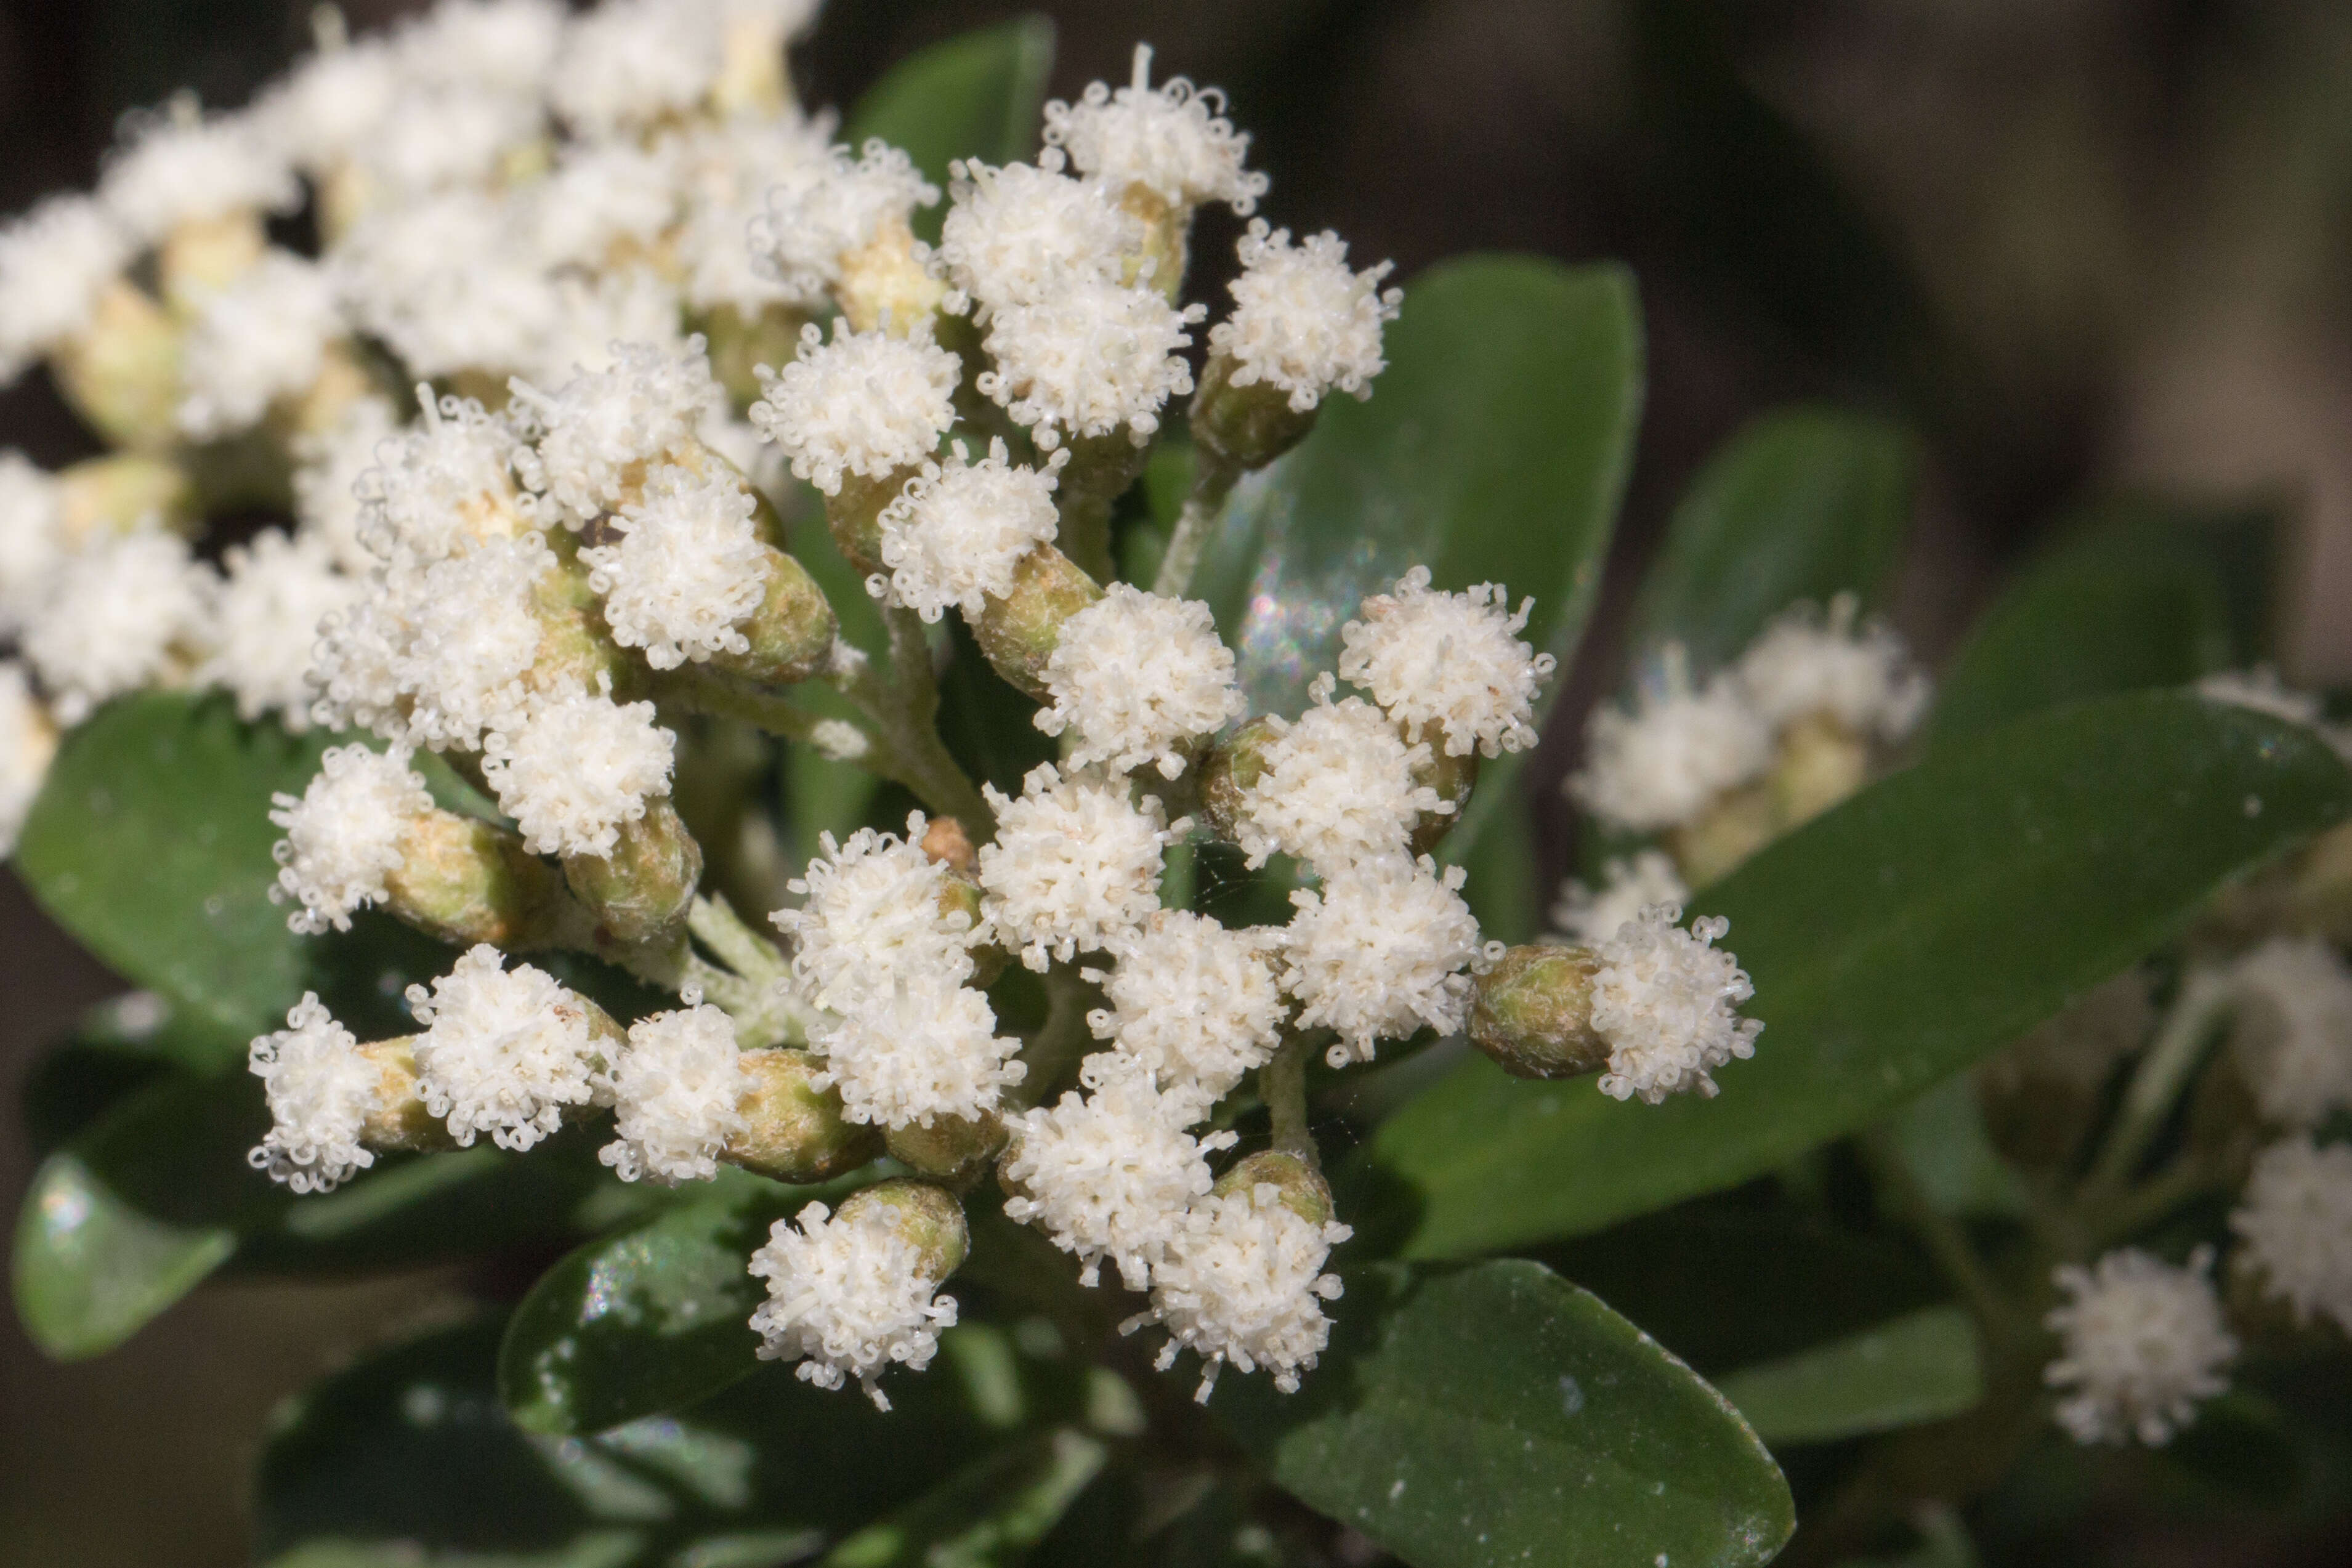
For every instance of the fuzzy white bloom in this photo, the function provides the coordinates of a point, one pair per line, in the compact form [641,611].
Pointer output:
[602,198]
[867,404]
[822,210]
[2297,1225]
[1665,1001]
[630,63]
[508,45]
[1450,663]
[1140,677]
[471,633]
[321,1092]
[847,1295]
[439,487]
[1108,1175]
[1075,865]
[277,592]
[577,769]
[1173,140]
[600,315]
[1196,1003]
[448,284]
[1590,918]
[503,1053]
[1088,359]
[440,136]
[915,1048]
[728,169]
[343,832]
[688,566]
[1302,322]
[32,537]
[955,533]
[874,913]
[675,1090]
[1862,678]
[356,667]
[2141,1343]
[113,618]
[331,104]
[1385,948]
[595,428]
[1241,1280]
[328,465]
[2294,1035]
[28,744]
[1017,235]
[1663,763]
[174,167]
[55,260]
[1337,789]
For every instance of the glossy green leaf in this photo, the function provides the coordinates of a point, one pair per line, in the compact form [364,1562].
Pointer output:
[988,1516]
[2132,596]
[1803,504]
[1497,1414]
[973,96]
[1925,1366]
[1931,918]
[1941,1139]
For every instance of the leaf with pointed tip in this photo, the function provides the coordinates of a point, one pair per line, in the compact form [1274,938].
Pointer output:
[1923,1366]
[973,96]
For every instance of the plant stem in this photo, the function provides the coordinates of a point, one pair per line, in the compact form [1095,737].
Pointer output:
[1282,1084]
[908,747]
[1064,1036]
[2163,1073]
[1212,482]
[1946,1243]
[2149,1202]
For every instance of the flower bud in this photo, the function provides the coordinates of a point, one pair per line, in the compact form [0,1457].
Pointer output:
[400,1120]
[955,1149]
[1244,427]
[885,284]
[123,373]
[1167,241]
[1230,772]
[1820,762]
[1452,778]
[576,652]
[792,630]
[464,880]
[1019,632]
[1727,833]
[738,345]
[853,516]
[203,256]
[1099,471]
[790,1132]
[1303,1192]
[643,887]
[1532,1012]
[122,491]
[929,1216]
[945,843]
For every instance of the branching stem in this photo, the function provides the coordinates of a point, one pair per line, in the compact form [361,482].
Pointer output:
[1212,482]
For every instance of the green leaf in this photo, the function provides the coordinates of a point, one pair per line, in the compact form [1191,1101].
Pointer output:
[1497,1414]
[988,1516]
[1803,504]
[1921,1367]
[973,96]
[2131,596]
[1934,917]
[1942,1140]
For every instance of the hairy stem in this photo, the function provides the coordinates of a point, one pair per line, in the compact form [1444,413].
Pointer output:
[1053,1052]
[1212,482]
[908,747]
[2157,1085]
[1282,1084]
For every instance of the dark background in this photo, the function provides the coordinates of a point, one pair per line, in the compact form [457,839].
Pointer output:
[2081,246]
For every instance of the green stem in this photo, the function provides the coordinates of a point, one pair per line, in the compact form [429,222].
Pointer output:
[1212,482]
[2163,1073]
[2148,1202]
[1282,1084]
[740,946]
[1946,1243]
[908,747]
[1054,1049]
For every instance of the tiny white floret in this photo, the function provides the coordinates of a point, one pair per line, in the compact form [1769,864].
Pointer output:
[688,567]
[2296,1226]
[578,770]
[1663,763]
[504,1053]
[1241,1280]
[1666,999]
[1172,140]
[1384,949]
[343,834]
[955,533]
[848,1295]
[321,1092]
[1140,680]
[2141,1343]
[1302,322]
[1862,677]
[1075,864]
[1591,917]
[1196,1003]
[675,1094]
[868,404]
[1448,664]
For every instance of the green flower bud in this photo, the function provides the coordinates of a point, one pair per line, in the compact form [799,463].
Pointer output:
[740,345]
[400,1120]
[1820,762]
[925,1215]
[1248,426]
[853,516]
[464,880]
[1099,471]
[1019,632]
[1532,1012]
[791,632]
[955,1150]
[123,373]
[1228,775]
[641,890]
[1725,834]
[790,1132]
[1303,1192]
[121,491]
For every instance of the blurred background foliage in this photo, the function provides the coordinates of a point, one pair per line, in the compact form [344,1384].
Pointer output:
[2084,248]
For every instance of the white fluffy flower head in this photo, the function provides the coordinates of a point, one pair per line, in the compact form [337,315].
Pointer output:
[343,834]
[1629,886]
[1088,359]
[1665,762]
[578,769]
[1141,679]
[1173,140]
[916,1049]
[55,260]
[1075,865]
[629,64]
[503,1053]
[1665,1001]
[1384,949]
[875,912]
[848,1295]
[2294,1034]
[1863,678]
[1302,322]
[328,464]
[597,430]
[471,633]
[1241,1280]
[277,592]
[509,45]
[957,530]
[320,1092]
[688,567]
[323,110]
[825,209]
[1018,234]
[114,616]
[1194,1003]
[449,284]
[2297,1225]
[177,167]
[436,489]
[32,537]
[1337,788]
[2142,1342]
[675,1090]
[1451,664]
[868,404]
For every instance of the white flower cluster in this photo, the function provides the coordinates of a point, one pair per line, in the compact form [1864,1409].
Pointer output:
[505,1051]
[847,1295]
[1302,322]
[320,1091]
[2141,1343]
[343,834]
[2293,1037]
[2295,1228]
[1665,999]
[676,1090]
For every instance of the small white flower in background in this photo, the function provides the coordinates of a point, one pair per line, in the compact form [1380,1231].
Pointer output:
[275,592]
[2297,1225]
[1674,755]
[1591,917]
[1016,234]
[28,744]
[470,635]
[1338,788]
[577,769]
[602,199]
[821,211]
[54,261]
[1666,999]
[1172,140]
[32,537]
[1450,664]
[509,45]
[848,1296]
[956,532]
[439,136]
[873,915]
[675,1090]
[1800,665]
[728,169]
[1108,1175]
[1088,359]
[917,1049]
[1241,1279]
[686,568]
[434,489]
[1196,1003]
[2294,1034]
[867,404]
[629,64]
[596,427]
[1140,677]
[1075,865]
[321,1092]
[600,319]
[172,168]
[262,338]
[2141,1343]
[1383,949]
[448,284]
[503,1053]
[117,615]
[343,832]
[328,465]
[1302,322]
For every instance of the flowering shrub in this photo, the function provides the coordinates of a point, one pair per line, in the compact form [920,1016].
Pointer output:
[826,744]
